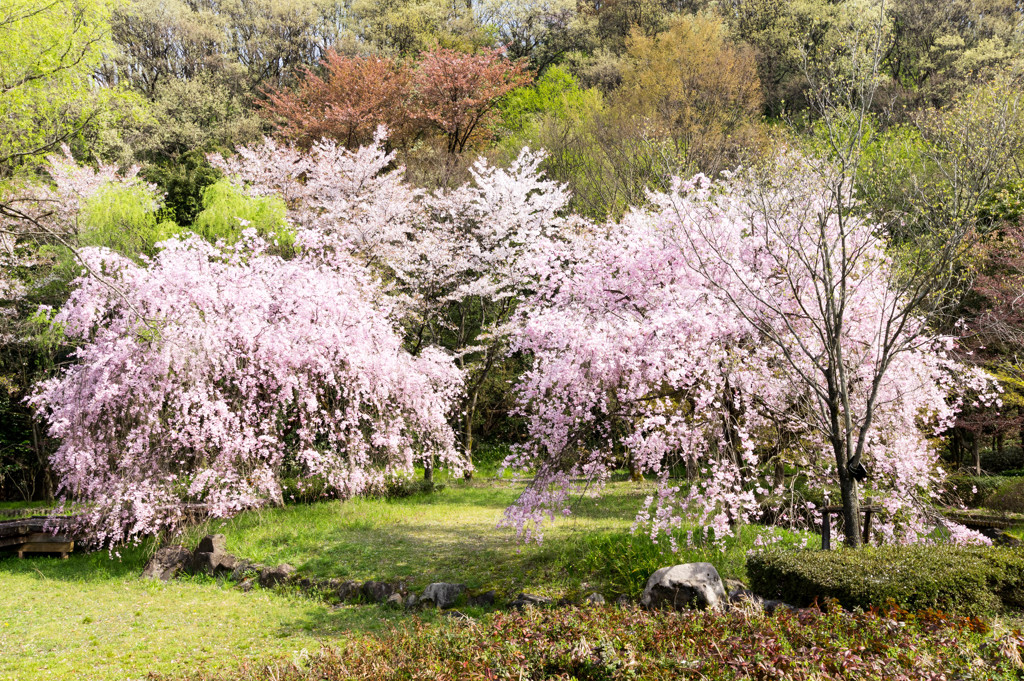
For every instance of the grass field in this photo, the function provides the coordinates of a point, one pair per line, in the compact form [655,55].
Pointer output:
[91,617]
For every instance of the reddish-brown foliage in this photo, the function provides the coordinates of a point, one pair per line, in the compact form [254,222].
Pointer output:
[456,91]
[346,104]
[450,91]
[608,644]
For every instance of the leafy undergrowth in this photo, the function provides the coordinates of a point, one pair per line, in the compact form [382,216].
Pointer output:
[608,644]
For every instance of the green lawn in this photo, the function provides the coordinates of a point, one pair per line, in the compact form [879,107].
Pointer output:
[91,617]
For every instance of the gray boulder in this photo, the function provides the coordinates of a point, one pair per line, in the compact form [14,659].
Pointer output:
[411,601]
[167,563]
[594,599]
[442,594]
[272,576]
[692,585]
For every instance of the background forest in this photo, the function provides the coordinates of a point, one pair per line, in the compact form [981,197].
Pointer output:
[622,96]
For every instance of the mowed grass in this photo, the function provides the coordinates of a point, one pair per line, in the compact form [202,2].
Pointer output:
[452,535]
[448,535]
[91,617]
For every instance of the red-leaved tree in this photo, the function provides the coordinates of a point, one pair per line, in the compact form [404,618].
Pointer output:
[456,92]
[450,91]
[346,104]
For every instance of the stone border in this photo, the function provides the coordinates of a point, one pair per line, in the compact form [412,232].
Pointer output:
[692,585]
[211,558]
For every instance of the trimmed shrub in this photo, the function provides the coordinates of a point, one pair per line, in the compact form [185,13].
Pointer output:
[969,580]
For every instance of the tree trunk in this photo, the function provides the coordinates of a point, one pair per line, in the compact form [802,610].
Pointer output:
[851,501]
[428,469]
[976,452]
[467,435]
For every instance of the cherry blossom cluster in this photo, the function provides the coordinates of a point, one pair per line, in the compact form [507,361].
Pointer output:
[684,341]
[205,372]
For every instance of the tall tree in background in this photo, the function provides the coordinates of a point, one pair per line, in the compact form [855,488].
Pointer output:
[456,92]
[48,52]
[346,104]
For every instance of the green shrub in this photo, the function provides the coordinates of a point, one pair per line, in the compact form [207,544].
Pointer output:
[971,490]
[228,209]
[969,580]
[400,487]
[1008,497]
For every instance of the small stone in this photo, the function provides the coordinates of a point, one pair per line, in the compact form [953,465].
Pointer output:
[246,568]
[486,599]
[167,563]
[395,601]
[594,599]
[411,601]
[204,563]
[247,584]
[227,563]
[213,543]
[377,592]
[346,591]
[273,576]
[623,601]
[523,600]
[442,594]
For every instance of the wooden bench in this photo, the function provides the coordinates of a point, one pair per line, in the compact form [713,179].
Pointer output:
[46,543]
[29,535]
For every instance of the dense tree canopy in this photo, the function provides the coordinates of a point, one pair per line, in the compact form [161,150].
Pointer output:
[768,245]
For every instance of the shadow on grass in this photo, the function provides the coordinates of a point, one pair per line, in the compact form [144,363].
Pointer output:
[80,566]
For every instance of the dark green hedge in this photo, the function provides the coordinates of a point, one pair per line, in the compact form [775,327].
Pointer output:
[968,580]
